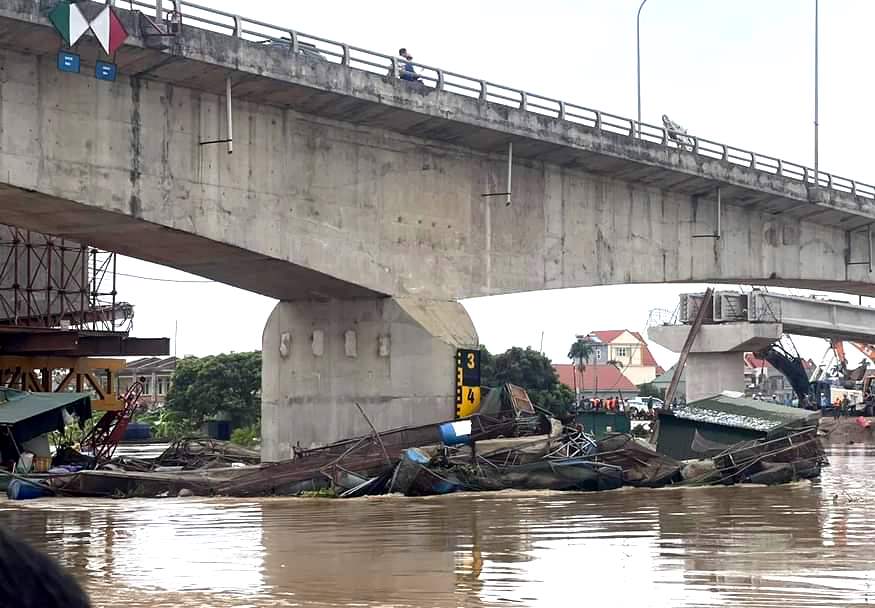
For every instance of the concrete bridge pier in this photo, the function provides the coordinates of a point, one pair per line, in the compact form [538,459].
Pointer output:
[394,356]
[716,362]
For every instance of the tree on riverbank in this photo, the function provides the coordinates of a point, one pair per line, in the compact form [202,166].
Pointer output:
[226,386]
[531,370]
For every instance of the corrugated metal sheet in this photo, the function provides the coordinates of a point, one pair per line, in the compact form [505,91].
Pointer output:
[742,413]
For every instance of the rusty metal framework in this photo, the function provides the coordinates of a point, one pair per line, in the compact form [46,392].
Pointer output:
[60,374]
[52,282]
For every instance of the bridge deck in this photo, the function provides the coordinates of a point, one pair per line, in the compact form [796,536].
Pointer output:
[340,82]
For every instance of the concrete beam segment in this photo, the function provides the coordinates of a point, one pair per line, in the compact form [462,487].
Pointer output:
[726,337]
[815,317]
[346,184]
[394,356]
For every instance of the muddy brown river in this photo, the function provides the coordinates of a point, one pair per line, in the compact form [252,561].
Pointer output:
[807,544]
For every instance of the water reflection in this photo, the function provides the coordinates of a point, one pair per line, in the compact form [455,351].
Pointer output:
[801,545]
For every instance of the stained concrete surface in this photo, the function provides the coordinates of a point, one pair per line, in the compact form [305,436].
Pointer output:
[393,356]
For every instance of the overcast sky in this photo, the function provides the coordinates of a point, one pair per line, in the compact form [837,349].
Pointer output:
[737,71]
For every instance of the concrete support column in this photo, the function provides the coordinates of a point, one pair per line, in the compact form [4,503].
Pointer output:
[715,363]
[710,374]
[394,356]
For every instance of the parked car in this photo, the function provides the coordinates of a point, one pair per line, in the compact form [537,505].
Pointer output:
[640,403]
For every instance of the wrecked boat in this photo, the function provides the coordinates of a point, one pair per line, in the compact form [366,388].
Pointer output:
[729,439]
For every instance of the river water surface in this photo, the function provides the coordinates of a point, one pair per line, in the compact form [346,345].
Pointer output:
[806,544]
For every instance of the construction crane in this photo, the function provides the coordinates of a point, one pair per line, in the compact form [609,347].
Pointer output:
[867,349]
[105,435]
[869,352]
[838,348]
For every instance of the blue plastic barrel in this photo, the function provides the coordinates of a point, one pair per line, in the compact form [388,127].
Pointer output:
[19,489]
[456,433]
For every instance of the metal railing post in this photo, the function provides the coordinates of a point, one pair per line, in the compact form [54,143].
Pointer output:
[482,90]
[753,160]
[345,59]
[561,110]
[238,28]
[598,121]
[696,145]
[294,46]
[780,168]
[394,67]
[439,85]
[524,101]
[725,153]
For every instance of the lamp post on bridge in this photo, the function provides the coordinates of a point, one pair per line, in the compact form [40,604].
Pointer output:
[816,91]
[638,63]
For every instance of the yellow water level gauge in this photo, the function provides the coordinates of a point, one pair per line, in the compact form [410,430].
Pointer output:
[467,382]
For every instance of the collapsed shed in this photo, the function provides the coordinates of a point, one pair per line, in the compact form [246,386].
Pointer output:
[25,416]
[713,424]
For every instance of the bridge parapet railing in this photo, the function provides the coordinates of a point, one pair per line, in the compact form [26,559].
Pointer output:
[317,48]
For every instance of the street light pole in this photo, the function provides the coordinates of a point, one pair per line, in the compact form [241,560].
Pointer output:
[638,49]
[816,94]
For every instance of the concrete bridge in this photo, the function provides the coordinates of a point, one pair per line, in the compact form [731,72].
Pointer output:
[357,199]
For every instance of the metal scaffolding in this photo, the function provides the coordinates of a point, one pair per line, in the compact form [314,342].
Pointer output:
[55,283]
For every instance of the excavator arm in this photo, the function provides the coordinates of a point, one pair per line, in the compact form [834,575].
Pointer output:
[792,368]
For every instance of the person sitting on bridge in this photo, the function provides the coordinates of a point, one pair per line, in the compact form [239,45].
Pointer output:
[407,70]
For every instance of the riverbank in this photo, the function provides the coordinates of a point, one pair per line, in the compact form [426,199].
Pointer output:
[847,430]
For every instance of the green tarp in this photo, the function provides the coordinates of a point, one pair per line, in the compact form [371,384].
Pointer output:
[16,406]
[29,415]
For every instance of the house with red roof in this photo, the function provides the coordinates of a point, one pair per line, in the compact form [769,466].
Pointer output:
[620,361]
[596,380]
[626,350]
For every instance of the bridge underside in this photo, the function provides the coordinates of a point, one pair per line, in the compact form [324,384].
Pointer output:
[178,249]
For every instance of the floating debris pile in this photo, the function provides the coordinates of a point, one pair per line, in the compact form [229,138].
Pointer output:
[509,445]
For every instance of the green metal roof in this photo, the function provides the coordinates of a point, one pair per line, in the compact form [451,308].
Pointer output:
[665,377]
[16,406]
[743,413]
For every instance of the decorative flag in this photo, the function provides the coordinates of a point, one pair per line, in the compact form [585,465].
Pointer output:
[108,29]
[69,21]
